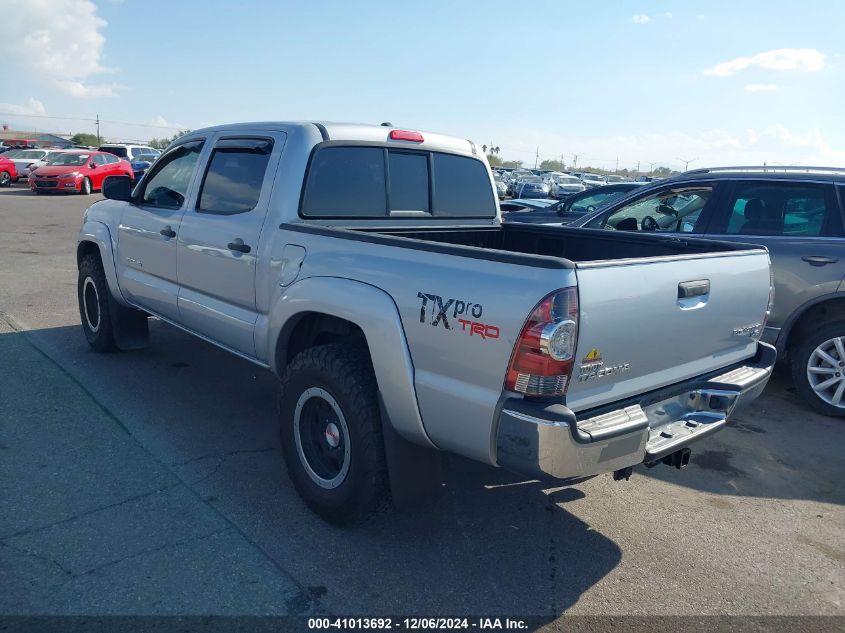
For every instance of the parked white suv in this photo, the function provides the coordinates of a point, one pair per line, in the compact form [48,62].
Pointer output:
[129,152]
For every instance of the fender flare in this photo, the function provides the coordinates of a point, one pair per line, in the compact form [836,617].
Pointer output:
[99,234]
[375,312]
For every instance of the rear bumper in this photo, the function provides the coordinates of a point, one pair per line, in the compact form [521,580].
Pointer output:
[543,439]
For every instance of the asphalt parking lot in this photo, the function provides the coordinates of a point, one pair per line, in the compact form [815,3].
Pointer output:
[151,482]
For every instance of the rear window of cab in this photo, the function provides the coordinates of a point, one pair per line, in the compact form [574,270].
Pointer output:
[376,182]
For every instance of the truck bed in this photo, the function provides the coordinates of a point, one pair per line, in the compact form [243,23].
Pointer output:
[530,245]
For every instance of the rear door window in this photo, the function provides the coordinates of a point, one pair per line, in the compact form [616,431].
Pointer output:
[788,209]
[234,176]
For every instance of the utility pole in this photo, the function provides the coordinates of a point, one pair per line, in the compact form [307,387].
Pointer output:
[562,164]
[616,171]
[98,130]
[638,168]
[574,161]
[536,157]
[687,161]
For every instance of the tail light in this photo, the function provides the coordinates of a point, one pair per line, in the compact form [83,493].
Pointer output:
[542,359]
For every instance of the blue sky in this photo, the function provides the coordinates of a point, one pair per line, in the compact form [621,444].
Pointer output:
[641,81]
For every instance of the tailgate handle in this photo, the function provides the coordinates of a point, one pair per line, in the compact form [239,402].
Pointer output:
[696,288]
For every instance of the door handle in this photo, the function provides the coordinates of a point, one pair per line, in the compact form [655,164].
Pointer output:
[168,232]
[819,260]
[239,246]
[696,288]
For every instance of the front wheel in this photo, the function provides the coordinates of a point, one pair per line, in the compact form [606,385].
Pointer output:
[331,432]
[93,295]
[85,187]
[5,179]
[818,369]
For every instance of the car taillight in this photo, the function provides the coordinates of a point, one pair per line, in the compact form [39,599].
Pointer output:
[544,354]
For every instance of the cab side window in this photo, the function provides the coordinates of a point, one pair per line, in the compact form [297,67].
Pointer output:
[167,186]
[99,159]
[800,210]
[235,173]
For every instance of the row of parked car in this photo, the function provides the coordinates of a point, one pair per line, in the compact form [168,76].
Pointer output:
[81,170]
[542,183]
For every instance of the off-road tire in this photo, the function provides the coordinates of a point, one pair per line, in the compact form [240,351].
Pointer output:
[345,372]
[800,356]
[98,329]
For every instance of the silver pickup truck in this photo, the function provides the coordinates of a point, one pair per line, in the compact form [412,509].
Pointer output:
[367,266]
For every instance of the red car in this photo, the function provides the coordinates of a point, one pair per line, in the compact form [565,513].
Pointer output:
[8,172]
[80,171]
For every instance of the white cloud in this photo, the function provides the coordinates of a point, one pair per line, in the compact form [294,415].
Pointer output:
[801,59]
[33,106]
[160,121]
[761,87]
[668,14]
[61,43]
[640,18]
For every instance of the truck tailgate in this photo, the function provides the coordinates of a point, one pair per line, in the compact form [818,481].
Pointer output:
[648,323]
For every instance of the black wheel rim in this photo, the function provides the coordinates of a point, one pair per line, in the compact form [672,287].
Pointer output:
[322,438]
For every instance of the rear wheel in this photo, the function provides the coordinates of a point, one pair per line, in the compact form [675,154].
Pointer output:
[818,369]
[85,187]
[5,179]
[331,432]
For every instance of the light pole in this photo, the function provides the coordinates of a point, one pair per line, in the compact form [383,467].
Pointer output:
[687,161]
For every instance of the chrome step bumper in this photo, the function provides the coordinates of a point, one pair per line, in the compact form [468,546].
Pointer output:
[544,439]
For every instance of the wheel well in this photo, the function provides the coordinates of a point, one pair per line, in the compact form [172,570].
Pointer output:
[86,248]
[813,318]
[310,329]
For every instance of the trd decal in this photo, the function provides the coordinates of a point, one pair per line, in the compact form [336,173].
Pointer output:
[435,311]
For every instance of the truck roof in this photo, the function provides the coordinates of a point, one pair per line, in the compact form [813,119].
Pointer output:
[334,131]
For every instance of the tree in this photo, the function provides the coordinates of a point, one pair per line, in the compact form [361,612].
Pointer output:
[512,164]
[161,143]
[83,138]
[555,165]
[494,160]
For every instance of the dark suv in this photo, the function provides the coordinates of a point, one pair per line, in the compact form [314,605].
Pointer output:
[798,216]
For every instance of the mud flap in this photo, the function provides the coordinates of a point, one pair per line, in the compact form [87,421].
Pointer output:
[415,472]
[129,326]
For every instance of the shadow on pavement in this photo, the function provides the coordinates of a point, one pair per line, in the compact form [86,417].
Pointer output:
[493,544]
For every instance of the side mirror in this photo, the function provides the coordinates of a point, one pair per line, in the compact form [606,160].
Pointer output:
[117,188]
[92,165]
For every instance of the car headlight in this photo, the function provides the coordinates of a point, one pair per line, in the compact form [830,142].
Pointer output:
[72,174]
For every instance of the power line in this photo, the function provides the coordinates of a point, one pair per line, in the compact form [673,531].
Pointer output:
[95,120]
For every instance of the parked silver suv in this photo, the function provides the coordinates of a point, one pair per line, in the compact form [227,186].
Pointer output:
[797,213]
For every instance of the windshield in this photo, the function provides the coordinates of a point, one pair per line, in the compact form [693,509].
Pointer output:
[69,160]
[567,180]
[614,178]
[531,179]
[592,177]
